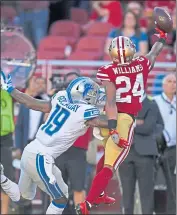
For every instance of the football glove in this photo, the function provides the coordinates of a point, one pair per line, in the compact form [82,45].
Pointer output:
[118,141]
[161,34]
[6,82]
[114,135]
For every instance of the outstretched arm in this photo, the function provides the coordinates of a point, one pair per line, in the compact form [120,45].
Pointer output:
[100,121]
[30,102]
[157,47]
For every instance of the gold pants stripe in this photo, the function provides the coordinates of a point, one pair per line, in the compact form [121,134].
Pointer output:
[115,155]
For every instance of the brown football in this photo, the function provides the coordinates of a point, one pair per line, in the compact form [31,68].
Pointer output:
[163,19]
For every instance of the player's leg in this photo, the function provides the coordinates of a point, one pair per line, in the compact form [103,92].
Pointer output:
[6,159]
[57,190]
[103,198]
[114,156]
[9,187]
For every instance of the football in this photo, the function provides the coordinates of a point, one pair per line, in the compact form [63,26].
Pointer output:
[163,20]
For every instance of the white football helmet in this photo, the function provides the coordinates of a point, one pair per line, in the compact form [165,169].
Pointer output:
[122,50]
[83,90]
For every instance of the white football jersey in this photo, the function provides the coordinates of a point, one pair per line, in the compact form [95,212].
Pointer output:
[65,123]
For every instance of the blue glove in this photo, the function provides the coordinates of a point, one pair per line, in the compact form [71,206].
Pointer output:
[6,83]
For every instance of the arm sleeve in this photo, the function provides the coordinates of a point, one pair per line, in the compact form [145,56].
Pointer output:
[91,113]
[146,63]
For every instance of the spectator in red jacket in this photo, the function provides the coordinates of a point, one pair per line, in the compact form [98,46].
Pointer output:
[106,11]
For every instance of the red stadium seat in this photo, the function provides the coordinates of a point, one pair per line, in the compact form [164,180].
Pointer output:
[106,57]
[52,47]
[169,4]
[82,55]
[7,12]
[66,28]
[79,15]
[165,57]
[94,45]
[99,29]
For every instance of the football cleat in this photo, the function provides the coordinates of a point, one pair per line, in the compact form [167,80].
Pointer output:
[104,200]
[81,209]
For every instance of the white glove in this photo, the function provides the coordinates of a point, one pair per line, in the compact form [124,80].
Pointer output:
[6,83]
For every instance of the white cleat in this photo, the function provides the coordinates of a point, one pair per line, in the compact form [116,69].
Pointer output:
[9,187]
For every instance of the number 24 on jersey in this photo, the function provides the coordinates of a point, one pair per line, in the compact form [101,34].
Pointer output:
[137,90]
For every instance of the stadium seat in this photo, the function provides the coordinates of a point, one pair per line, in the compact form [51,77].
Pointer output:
[165,57]
[79,15]
[99,29]
[94,45]
[66,28]
[52,47]
[169,4]
[82,55]
[106,57]
[7,12]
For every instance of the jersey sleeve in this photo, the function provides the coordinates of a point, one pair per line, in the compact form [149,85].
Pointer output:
[90,113]
[54,99]
[102,74]
[146,63]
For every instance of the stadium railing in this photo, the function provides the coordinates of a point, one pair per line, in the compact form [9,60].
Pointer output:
[88,68]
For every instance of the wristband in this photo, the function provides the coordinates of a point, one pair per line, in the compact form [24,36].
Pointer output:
[162,40]
[112,124]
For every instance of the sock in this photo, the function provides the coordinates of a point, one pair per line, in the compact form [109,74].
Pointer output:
[55,208]
[100,165]
[11,189]
[3,178]
[99,184]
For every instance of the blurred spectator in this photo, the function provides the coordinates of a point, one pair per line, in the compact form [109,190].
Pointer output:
[130,28]
[59,10]
[140,162]
[106,11]
[34,17]
[7,128]
[167,143]
[83,4]
[135,7]
[41,88]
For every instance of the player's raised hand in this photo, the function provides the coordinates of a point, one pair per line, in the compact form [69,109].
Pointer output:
[6,82]
[161,34]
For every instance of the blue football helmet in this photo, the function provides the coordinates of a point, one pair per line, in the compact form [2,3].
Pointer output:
[83,90]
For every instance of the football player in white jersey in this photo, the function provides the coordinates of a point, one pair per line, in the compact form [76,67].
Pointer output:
[71,113]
